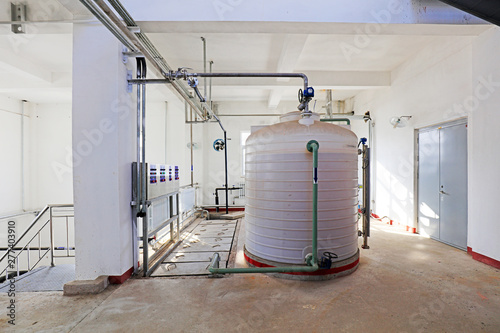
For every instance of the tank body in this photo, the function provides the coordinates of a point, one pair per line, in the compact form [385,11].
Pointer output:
[278,210]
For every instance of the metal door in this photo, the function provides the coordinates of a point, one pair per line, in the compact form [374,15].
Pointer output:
[428,183]
[442,183]
[453,185]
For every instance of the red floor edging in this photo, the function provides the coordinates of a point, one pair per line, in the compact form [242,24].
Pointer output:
[318,272]
[119,279]
[484,259]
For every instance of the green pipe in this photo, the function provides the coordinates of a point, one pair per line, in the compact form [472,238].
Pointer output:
[313,146]
[336,119]
[312,261]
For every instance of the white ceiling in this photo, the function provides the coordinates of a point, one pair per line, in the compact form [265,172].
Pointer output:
[37,66]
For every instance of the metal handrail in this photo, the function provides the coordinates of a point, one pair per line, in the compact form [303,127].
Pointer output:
[37,218]
[33,212]
[28,247]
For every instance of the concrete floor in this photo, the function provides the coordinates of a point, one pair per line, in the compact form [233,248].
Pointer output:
[405,283]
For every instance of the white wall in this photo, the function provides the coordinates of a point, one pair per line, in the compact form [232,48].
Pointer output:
[50,150]
[10,144]
[47,155]
[484,161]
[439,84]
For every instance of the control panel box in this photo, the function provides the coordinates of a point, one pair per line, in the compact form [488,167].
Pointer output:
[161,179]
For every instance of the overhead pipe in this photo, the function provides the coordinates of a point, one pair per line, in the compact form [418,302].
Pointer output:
[139,42]
[336,119]
[304,106]
[311,259]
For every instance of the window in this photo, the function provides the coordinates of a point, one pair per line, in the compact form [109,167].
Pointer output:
[243,138]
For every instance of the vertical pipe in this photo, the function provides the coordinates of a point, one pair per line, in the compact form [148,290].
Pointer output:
[138,187]
[225,171]
[313,147]
[145,243]
[366,196]
[210,91]
[204,71]
[191,146]
[51,238]
[144,178]
[28,253]
[67,237]
[39,246]
[23,194]
[204,66]
[139,165]
[166,124]
[177,208]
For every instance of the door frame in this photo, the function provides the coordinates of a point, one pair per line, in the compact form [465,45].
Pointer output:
[444,124]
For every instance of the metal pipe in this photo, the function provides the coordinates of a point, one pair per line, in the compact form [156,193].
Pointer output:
[144,177]
[108,24]
[313,146]
[312,261]
[225,171]
[254,75]
[366,196]
[138,198]
[142,44]
[204,66]
[23,205]
[19,214]
[51,238]
[191,146]
[210,91]
[336,119]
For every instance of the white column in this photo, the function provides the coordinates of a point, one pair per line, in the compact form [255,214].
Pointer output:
[104,134]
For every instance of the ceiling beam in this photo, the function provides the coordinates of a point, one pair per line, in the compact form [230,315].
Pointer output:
[290,54]
[328,28]
[14,64]
[274,98]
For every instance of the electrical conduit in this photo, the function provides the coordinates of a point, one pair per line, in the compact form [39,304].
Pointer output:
[311,260]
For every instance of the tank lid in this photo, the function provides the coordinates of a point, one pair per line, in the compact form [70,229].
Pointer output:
[296,115]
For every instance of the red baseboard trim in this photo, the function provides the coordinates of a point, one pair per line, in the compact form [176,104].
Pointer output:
[411,229]
[119,279]
[484,259]
[318,272]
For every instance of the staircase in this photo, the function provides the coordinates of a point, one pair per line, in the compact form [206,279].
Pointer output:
[29,257]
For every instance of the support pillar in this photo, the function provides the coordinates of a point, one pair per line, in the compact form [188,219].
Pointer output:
[103,150]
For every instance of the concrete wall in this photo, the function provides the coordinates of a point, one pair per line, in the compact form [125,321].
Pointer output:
[47,155]
[50,146]
[10,144]
[484,161]
[443,82]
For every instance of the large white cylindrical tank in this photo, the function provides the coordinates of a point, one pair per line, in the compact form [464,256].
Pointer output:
[278,211]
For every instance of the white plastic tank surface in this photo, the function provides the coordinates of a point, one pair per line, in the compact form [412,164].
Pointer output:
[278,218]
